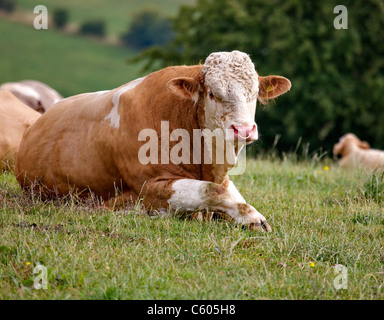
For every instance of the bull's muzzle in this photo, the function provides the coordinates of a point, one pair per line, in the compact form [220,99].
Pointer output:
[246,132]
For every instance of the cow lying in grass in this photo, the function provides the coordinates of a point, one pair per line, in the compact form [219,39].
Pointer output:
[358,154]
[94,141]
[15,118]
[35,94]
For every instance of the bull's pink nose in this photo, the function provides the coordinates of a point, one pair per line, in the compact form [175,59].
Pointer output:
[244,132]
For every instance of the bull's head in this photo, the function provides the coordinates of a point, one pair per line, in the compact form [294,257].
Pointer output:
[347,143]
[228,88]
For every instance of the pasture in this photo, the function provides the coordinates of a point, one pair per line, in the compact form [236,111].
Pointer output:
[117,20]
[71,64]
[321,215]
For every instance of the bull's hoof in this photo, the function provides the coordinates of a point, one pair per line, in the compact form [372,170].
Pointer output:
[264,226]
[201,216]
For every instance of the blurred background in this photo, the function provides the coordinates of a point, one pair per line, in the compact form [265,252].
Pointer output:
[337,75]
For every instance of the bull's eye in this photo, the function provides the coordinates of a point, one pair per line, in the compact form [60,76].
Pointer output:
[210,94]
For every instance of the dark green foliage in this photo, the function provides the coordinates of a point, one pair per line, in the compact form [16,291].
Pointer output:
[93,27]
[60,17]
[337,75]
[8,5]
[148,28]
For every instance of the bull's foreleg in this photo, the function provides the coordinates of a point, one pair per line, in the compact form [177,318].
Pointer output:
[192,195]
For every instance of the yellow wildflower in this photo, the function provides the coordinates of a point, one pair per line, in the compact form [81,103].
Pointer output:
[326,168]
[312,265]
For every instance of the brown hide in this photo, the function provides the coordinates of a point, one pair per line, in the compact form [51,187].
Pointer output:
[74,146]
[15,118]
[94,141]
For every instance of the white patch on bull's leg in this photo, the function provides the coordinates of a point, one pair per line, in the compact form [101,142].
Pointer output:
[194,195]
[251,216]
[188,194]
[114,116]
[254,216]
[235,193]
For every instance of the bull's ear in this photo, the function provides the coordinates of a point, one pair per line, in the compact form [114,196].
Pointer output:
[364,145]
[272,86]
[338,148]
[184,87]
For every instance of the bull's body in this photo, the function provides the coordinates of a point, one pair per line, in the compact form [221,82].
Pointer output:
[91,142]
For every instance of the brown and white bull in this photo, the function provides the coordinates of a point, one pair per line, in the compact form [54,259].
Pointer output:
[15,118]
[94,141]
[35,94]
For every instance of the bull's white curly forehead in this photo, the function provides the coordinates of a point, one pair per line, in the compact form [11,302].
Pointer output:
[230,74]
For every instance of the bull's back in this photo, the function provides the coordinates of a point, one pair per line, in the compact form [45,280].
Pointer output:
[66,147]
[373,159]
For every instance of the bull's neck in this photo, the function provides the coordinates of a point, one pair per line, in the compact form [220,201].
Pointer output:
[217,170]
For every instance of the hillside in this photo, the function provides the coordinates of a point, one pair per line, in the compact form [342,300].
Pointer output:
[70,64]
[117,13]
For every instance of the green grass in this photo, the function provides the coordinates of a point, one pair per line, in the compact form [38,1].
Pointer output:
[70,64]
[320,218]
[117,13]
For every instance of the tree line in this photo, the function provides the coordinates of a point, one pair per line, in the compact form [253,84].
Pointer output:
[147,28]
[337,74]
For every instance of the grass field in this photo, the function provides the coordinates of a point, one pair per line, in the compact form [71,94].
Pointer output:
[116,13]
[70,64]
[321,216]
